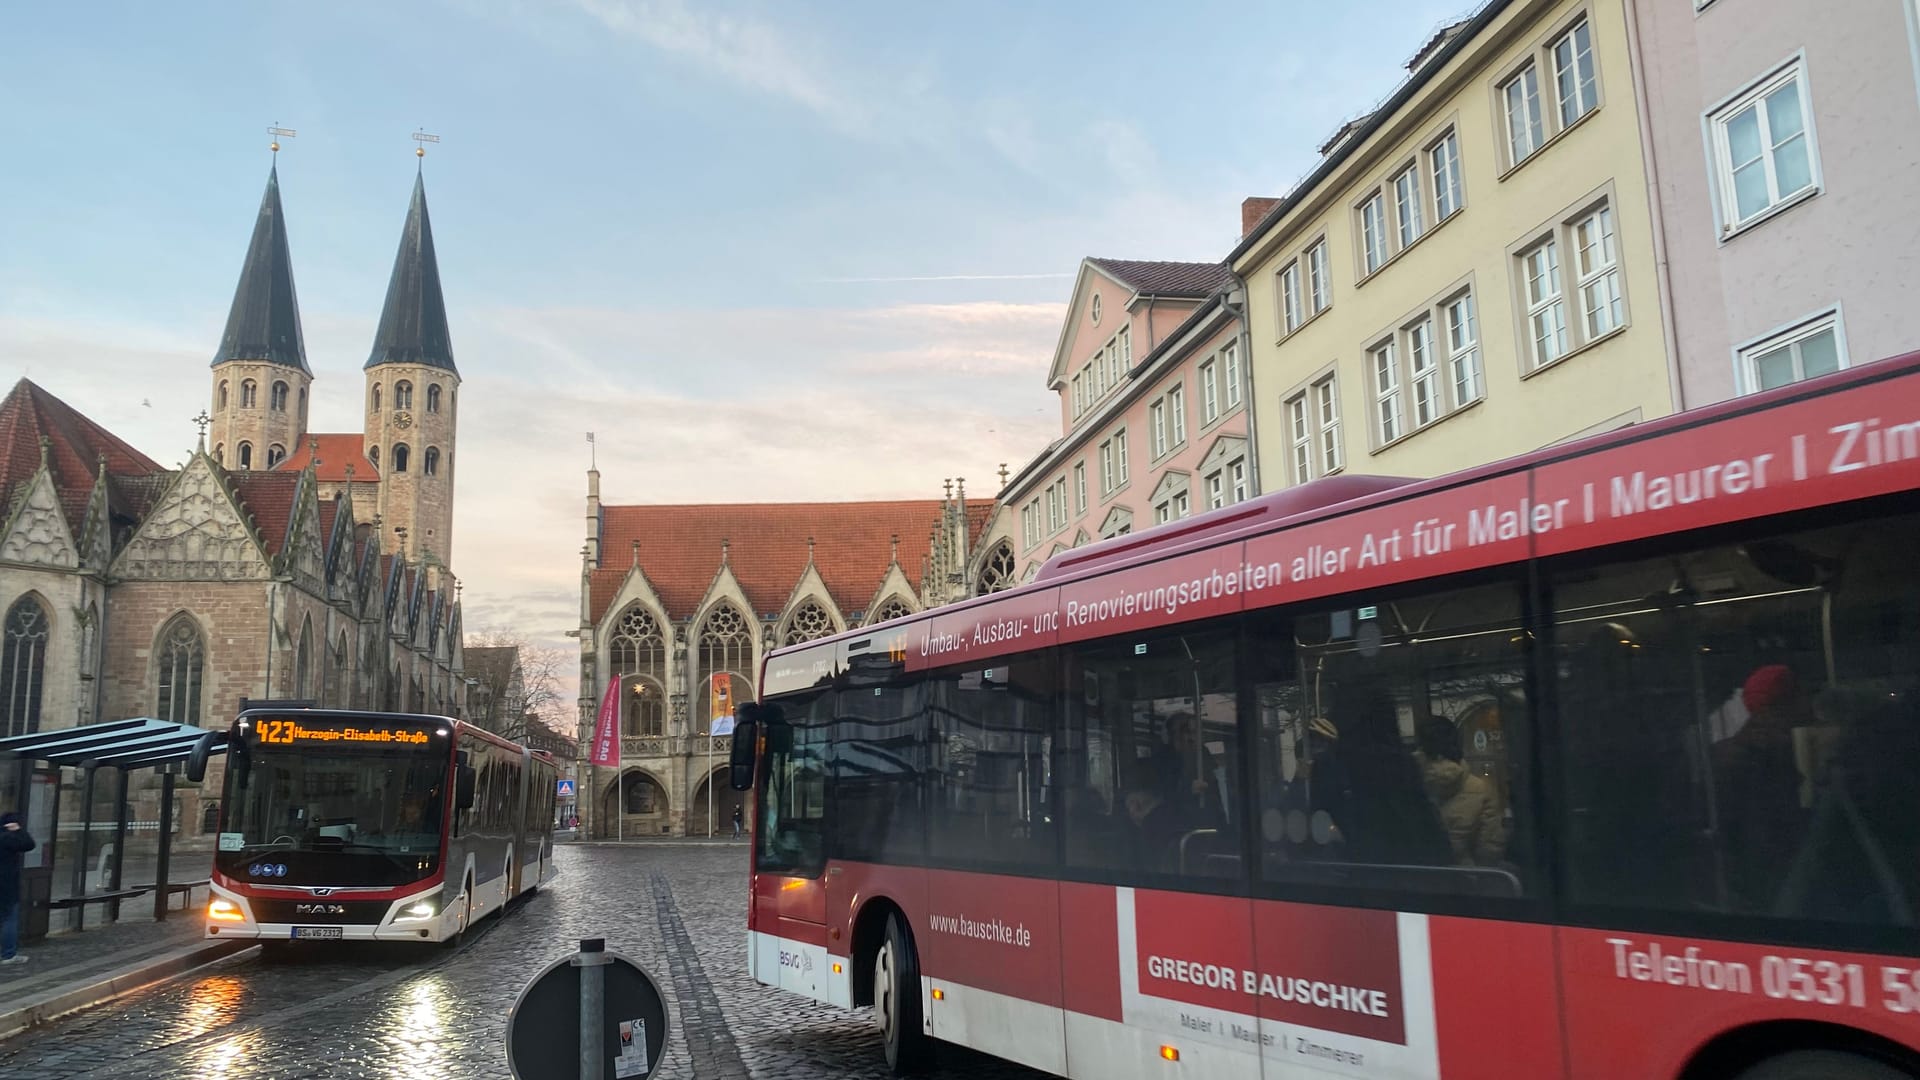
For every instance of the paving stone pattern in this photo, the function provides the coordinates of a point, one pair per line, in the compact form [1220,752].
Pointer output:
[429,1014]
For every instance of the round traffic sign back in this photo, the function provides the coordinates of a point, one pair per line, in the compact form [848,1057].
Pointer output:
[544,1028]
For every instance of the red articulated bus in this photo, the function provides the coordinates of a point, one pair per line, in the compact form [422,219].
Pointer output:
[1595,763]
[366,826]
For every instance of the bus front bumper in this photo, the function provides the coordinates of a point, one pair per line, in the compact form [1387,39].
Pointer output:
[422,916]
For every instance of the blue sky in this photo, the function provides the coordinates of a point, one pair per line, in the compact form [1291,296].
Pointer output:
[685,225]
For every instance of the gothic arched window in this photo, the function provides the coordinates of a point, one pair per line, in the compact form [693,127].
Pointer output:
[221,401]
[403,395]
[181,656]
[640,659]
[303,661]
[246,455]
[998,574]
[894,608]
[373,398]
[277,400]
[275,455]
[336,675]
[400,455]
[23,663]
[810,622]
[249,394]
[430,461]
[433,398]
[726,648]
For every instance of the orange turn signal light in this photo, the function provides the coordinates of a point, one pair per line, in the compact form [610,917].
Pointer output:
[836,967]
[224,911]
[1170,1053]
[939,994]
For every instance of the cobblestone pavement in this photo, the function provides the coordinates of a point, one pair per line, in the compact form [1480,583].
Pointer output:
[678,911]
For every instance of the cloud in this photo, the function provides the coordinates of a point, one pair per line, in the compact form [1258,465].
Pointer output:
[939,277]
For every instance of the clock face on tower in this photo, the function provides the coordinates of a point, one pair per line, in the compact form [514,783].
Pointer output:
[403,419]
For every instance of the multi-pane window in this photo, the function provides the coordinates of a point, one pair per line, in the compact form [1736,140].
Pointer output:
[1573,73]
[1053,509]
[1030,523]
[1109,473]
[1598,291]
[1080,486]
[1463,348]
[1546,306]
[1209,392]
[1216,491]
[1599,271]
[249,394]
[1525,130]
[1807,350]
[1120,453]
[1230,364]
[1373,232]
[1763,148]
[180,658]
[1060,499]
[1318,281]
[1177,409]
[1290,309]
[1406,206]
[277,397]
[1386,389]
[1443,157]
[1157,427]
[1079,396]
[1424,367]
[1313,430]
[23,663]
[1237,474]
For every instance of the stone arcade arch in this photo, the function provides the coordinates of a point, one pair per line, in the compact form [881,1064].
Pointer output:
[724,800]
[648,809]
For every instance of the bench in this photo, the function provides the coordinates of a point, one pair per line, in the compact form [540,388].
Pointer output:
[100,897]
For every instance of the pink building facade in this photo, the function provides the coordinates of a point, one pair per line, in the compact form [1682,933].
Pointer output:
[1154,392]
[1783,142]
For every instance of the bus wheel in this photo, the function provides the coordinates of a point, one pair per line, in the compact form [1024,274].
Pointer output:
[1823,1065]
[896,1001]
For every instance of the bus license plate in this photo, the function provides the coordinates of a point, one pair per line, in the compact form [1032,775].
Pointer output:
[331,933]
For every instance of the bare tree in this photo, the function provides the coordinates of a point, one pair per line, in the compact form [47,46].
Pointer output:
[519,683]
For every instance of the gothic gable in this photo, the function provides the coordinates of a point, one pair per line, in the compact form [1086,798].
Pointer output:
[303,556]
[96,537]
[36,531]
[894,589]
[195,532]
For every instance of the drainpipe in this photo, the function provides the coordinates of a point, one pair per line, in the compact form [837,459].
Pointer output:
[1676,382]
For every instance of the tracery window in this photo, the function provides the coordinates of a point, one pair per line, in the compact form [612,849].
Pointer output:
[182,656]
[810,622]
[23,662]
[998,574]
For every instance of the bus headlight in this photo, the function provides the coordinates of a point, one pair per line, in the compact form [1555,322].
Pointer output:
[418,910]
[219,910]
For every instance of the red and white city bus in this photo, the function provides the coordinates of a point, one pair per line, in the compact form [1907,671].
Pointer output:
[345,825]
[1594,763]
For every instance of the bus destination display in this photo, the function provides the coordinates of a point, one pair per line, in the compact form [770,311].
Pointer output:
[301,733]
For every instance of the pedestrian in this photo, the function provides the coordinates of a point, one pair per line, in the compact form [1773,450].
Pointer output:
[736,821]
[15,841]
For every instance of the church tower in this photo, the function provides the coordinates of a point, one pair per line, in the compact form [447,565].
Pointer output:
[413,395]
[260,375]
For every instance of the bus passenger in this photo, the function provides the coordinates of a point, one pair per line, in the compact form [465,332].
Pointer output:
[1371,786]
[1466,802]
[1161,822]
[1757,787]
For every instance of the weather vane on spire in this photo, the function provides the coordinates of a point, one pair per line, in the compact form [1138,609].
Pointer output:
[420,136]
[279,133]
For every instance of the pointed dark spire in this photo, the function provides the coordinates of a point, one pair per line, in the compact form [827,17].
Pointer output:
[413,327]
[265,321]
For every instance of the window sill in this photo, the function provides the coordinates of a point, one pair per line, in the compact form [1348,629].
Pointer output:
[1552,140]
[1308,321]
[1396,256]
[1214,424]
[1580,350]
[1729,233]
[1429,425]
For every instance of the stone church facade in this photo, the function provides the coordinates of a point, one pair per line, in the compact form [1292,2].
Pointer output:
[274,563]
[672,596]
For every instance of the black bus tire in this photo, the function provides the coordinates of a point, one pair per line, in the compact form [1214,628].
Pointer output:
[896,1001]
[1823,1065]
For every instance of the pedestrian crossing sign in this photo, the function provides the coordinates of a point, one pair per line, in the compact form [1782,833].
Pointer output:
[565,790]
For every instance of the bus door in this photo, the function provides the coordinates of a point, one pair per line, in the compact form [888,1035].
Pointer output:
[789,858]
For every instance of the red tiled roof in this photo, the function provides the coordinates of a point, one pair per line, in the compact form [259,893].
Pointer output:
[1194,279]
[337,451]
[680,548]
[75,446]
[268,496]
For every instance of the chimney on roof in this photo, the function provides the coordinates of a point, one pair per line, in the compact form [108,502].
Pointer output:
[1252,209]
[726,545]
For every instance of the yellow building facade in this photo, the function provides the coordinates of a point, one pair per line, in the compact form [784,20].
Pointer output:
[1469,272]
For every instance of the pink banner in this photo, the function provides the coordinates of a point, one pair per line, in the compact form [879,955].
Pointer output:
[606,730]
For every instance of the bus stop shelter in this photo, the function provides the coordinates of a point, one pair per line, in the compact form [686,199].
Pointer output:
[121,745]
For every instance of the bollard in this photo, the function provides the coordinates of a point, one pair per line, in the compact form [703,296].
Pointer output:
[592,960]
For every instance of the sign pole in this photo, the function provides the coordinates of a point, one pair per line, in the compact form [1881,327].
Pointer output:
[592,960]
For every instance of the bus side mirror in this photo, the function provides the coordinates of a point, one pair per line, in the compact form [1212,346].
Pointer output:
[746,740]
[463,781]
[197,758]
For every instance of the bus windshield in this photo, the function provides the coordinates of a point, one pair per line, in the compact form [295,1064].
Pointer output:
[336,816]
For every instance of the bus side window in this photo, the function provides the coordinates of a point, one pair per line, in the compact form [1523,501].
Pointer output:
[1390,741]
[1148,762]
[879,754]
[992,729]
[1740,726]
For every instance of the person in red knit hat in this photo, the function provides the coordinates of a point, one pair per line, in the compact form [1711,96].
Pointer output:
[1757,788]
